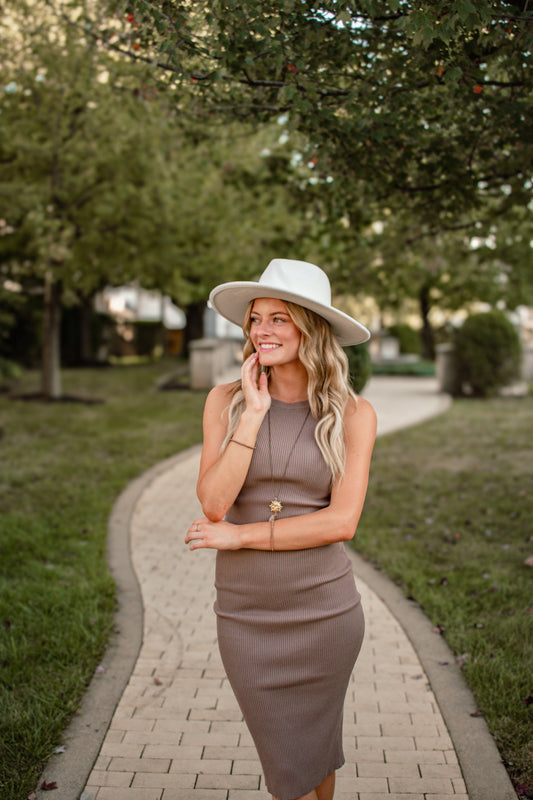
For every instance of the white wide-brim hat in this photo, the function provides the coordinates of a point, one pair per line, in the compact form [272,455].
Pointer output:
[296,281]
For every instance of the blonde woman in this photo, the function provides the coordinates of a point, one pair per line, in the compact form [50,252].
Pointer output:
[283,477]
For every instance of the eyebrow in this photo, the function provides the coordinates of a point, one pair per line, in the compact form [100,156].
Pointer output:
[272,313]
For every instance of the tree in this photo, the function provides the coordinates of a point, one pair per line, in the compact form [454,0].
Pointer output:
[83,175]
[425,105]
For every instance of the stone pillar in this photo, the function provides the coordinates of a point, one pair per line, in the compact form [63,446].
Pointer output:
[202,363]
[446,369]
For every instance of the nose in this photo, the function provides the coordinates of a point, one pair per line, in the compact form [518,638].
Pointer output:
[263,327]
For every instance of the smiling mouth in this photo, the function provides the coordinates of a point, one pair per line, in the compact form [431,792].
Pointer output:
[269,346]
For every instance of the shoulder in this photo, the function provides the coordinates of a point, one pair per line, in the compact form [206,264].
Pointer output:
[360,416]
[219,398]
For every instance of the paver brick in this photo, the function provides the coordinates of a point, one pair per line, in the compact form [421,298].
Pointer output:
[200,765]
[228,781]
[373,796]
[415,756]
[424,785]
[194,794]
[101,778]
[246,767]
[139,764]
[177,726]
[232,753]
[176,780]
[114,793]
[390,770]
[211,739]
[121,749]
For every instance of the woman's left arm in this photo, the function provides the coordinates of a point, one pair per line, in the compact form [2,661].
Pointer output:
[336,522]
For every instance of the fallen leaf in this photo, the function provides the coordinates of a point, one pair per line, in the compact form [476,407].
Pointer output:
[444,663]
[60,749]
[529,561]
[158,682]
[416,677]
[48,786]
[99,670]
[477,713]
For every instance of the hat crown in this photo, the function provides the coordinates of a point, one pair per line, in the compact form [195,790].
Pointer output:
[299,277]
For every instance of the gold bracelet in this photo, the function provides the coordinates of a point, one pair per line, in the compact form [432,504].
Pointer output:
[272,520]
[249,446]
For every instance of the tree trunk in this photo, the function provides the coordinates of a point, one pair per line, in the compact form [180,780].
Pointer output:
[427,336]
[51,351]
[195,322]
[86,319]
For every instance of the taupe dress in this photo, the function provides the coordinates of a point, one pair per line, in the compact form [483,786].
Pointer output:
[290,623]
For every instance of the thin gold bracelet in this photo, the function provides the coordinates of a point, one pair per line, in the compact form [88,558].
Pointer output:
[236,441]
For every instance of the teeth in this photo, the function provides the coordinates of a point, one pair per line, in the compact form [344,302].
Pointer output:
[269,346]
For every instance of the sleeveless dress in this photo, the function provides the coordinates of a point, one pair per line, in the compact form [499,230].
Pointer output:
[290,623]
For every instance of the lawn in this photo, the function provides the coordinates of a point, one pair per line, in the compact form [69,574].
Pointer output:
[448,516]
[63,465]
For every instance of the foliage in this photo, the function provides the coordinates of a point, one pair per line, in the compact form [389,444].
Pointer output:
[448,517]
[408,338]
[418,104]
[487,353]
[105,183]
[359,365]
[415,116]
[56,596]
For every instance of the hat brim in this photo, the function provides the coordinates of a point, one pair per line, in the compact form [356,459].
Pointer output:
[231,300]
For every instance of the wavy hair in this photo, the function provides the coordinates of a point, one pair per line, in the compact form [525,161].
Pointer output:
[328,385]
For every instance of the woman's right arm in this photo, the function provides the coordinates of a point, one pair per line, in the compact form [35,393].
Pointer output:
[222,476]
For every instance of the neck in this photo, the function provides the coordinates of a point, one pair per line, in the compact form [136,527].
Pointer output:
[288,383]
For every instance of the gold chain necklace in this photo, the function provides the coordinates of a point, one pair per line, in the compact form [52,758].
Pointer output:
[275,505]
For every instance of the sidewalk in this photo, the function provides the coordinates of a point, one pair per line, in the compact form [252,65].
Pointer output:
[177,733]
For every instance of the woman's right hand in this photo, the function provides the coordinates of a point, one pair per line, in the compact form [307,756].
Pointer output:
[257,397]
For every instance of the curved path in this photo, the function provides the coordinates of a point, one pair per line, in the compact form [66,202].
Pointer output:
[160,722]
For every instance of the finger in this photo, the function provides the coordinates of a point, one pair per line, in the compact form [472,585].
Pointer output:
[263,382]
[193,532]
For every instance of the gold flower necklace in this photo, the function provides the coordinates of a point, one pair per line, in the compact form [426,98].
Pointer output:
[275,505]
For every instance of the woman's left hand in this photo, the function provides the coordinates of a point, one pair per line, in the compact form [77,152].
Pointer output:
[217,535]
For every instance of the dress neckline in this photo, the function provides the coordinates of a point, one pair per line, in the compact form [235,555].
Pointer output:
[296,404]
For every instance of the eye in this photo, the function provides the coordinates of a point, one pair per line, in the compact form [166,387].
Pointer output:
[253,320]
[279,319]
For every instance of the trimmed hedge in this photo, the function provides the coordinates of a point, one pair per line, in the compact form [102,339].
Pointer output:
[408,338]
[359,365]
[487,354]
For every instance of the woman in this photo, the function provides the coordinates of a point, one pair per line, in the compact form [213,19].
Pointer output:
[283,477]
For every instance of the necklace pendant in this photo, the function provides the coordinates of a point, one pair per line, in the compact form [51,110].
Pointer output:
[275,506]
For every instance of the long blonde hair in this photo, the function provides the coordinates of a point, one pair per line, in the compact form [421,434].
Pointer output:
[328,385]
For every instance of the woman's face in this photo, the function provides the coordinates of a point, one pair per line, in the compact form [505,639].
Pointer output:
[273,333]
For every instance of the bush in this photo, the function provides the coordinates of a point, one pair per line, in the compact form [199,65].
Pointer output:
[9,369]
[359,365]
[408,338]
[487,354]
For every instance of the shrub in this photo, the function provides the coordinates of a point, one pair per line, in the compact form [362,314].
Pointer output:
[359,365]
[487,354]
[408,338]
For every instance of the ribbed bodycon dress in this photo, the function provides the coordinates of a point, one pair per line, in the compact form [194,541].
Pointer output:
[290,623]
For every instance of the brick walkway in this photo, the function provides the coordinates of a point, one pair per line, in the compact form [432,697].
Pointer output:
[177,733]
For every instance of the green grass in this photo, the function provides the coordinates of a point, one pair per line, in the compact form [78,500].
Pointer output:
[449,517]
[63,465]
[421,367]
